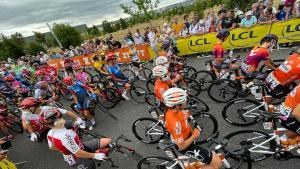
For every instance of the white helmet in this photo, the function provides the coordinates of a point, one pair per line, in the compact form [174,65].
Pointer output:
[159,71]
[130,43]
[174,96]
[161,60]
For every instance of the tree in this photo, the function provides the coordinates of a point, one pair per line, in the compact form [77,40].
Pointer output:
[67,35]
[93,31]
[142,7]
[243,5]
[116,26]
[40,37]
[50,41]
[33,48]
[123,23]
[12,46]
[107,28]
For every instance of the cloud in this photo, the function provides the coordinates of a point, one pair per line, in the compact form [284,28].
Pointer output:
[26,16]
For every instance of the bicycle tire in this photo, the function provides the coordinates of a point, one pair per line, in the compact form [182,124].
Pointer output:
[271,145]
[203,120]
[13,125]
[150,99]
[247,121]
[138,94]
[189,70]
[191,85]
[204,78]
[153,122]
[198,104]
[232,84]
[150,84]
[129,152]
[108,99]
[73,107]
[167,162]
[147,73]
[129,73]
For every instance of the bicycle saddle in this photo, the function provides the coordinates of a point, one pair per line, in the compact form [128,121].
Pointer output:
[165,144]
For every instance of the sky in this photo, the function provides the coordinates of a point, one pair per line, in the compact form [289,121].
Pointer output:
[25,16]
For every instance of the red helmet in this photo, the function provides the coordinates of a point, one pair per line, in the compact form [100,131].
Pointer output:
[49,116]
[28,103]
[111,56]
[68,81]
[39,73]
[8,78]
[76,66]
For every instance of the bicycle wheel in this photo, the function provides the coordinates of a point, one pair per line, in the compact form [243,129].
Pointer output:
[189,71]
[150,84]
[242,112]
[148,130]
[13,123]
[66,94]
[157,162]
[191,85]
[150,99]
[107,99]
[129,152]
[204,78]
[209,126]
[198,105]
[223,90]
[138,94]
[73,107]
[146,73]
[129,73]
[253,137]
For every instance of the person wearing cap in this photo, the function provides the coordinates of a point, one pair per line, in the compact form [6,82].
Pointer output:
[138,39]
[202,29]
[249,20]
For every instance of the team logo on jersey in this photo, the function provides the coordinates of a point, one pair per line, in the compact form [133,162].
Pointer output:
[178,128]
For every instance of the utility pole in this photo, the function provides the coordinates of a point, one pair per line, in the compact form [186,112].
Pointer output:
[55,37]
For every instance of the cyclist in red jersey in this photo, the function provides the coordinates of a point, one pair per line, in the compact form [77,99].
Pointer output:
[162,82]
[218,50]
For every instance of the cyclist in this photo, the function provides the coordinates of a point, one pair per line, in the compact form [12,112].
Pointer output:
[68,64]
[280,79]
[18,87]
[176,119]
[76,153]
[81,96]
[258,54]
[115,71]
[173,72]
[290,118]
[31,108]
[218,50]
[80,74]
[162,82]
[99,63]
[4,162]
[135,59]
[44,91]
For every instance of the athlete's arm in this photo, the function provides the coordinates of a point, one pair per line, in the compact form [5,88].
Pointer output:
[269,65]
[296,112]
[186,143]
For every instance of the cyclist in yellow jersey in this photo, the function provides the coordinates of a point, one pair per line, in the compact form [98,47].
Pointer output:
[99,63]
[4,162]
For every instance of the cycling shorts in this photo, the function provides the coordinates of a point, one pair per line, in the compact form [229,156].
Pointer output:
[199,153]
[291,124]
[279,91]
[84,103]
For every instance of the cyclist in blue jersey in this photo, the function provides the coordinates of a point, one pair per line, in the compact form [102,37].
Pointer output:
[82,95]
[115,71]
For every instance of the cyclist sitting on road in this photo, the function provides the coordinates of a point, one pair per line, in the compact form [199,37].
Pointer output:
[115,71]
[162,82]
[176,119]
[173,74]
[135,59]
[80,74]
[81,96]
[31,108]
[290,118]
[288,72]
[218,50]
[76,153]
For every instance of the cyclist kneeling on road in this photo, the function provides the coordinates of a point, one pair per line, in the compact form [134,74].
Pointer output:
[288,72]
[115,71]
[162,82]
[76,153]
[81,96]
[177,125]
[31,108]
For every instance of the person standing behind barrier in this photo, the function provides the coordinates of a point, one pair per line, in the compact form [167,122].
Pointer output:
[228,22]
[267,17]
[195,25]
[296,10]
[153,41]
[176,26]
[249,20]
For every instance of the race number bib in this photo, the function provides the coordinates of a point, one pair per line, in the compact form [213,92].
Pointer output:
[272,81]
[245,67]
[285,112]
[69,159]
[285,67]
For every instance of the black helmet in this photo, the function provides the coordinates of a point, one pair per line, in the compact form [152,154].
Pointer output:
[222,34]
[270,38]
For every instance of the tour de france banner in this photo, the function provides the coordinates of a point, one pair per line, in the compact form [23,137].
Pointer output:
[122,57]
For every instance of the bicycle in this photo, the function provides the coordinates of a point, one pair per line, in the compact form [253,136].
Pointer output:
[11,121]
[134,74]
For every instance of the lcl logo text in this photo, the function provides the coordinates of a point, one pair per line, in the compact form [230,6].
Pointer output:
[199,42]
[243,35]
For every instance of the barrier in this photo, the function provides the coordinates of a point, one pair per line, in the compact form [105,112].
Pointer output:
[287,31]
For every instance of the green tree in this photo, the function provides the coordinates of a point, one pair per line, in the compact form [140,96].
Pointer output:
[40,37]
[107,27]
[50,41]
[93,31]
[12,46]
[123,23]
[33,48]
[116,26]
[142,7]
[67,35]
[243,5]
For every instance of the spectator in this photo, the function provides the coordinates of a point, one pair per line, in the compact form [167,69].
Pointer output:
[289,2]
[255,11]
[202,28]
[146,32]
[184,32]
[222,9]
[138,32]
[213,27]
[176,26]
[194,27]
[281,15]
[186,21]
[296,10]
[238,14]
[207,22]
[249,20]
[268,17]
[270,5]
[153,41]
[219,19]
[228,22]
[260,9]
[45,56]
[116,44]
[167,28]
[138,39]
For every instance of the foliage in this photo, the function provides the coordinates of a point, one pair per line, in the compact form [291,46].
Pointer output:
[107,27]
[67,35]
[123,23]
[40,37]
[12,46]
[34,47]
[244,6]
[93,31]
[50,41]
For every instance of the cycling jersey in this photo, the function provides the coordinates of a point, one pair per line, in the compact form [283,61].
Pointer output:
[287,72]
[82,77]
[177,125]
[218,50]
[252,61]
[33,119]
[116,71]
[6,164]
[159,88]
[80,89]
[99,65]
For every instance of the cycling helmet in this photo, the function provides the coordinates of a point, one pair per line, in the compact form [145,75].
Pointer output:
[76,66]
[130,43]
[41,85]
[8,78]
[49,116]
[111,56]
[174,96]
[165,44]
[28,103]
[161,60]
[222,34]
[39,73]
[68,81]
[159,71]
[270,38]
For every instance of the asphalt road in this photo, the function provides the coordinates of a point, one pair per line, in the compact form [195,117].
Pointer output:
[38,156]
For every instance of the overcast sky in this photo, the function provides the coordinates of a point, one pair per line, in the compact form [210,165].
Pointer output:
[25,16]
